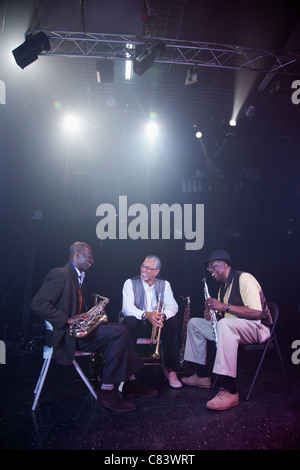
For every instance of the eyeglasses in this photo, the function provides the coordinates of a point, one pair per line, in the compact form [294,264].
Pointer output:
[214,265]
[147,268]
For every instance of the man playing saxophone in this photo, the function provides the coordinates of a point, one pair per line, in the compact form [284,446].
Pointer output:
[141,296]
[61,301]
[245,319]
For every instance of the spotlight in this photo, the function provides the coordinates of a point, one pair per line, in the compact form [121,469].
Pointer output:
[232,122]
[129,63]
[146,59]
[105,71]
[191,76]
[249,111]
[198,134]
[152,130]
[71,123]
[30,49]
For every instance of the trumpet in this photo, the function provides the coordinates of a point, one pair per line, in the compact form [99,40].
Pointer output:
[156,331]
[212,312]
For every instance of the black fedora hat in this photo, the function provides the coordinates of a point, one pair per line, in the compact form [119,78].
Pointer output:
[220,255]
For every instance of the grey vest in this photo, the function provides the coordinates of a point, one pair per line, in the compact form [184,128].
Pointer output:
[139,293]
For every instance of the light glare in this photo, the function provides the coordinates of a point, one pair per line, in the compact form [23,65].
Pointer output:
[71,123]
[152,130]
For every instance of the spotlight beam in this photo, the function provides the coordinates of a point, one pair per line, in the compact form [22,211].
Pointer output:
[244,83]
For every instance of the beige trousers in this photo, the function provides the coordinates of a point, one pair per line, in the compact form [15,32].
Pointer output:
[231,333]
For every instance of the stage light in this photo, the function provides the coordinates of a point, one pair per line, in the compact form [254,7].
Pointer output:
[232,122]
[191,76]
[129,62]
[198,134]
[146,59]
[105,71]
[152,130]
[250,111]
[30,49]
[128,70]
[71,123]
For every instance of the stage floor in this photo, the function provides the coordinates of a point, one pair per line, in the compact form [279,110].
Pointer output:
[68,418]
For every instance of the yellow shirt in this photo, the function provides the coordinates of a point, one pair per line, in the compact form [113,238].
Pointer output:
[250,293]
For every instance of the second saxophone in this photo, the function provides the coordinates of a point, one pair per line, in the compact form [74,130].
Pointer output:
[212,312]
[186,318]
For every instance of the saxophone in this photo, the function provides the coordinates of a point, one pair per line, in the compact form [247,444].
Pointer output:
[81,328]
[213,321]
[186,318]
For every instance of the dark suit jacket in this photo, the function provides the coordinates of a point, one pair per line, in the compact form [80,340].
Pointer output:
[56,301]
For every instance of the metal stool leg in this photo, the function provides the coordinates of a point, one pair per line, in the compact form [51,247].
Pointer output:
[48,352]
[86,381]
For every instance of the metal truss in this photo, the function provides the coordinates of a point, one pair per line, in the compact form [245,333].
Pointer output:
[188,53]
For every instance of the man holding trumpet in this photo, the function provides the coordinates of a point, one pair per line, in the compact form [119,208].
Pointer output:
[148,301]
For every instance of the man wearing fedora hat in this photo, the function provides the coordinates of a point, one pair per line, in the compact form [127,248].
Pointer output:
[244,318]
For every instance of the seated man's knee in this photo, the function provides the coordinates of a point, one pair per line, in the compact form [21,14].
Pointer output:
[195,322]
[224,323]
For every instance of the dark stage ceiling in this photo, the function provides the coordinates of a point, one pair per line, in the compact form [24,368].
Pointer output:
[245,53]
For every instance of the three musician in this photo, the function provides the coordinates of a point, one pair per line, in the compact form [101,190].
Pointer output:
[148,302]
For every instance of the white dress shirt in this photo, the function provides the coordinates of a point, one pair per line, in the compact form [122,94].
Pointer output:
[80,275]
[128,307]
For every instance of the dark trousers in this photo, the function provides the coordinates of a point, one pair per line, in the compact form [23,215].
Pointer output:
[120,353]
[169,337]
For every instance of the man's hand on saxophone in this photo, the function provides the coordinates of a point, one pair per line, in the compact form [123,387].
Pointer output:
[80,316]
[208,315]
[216,305]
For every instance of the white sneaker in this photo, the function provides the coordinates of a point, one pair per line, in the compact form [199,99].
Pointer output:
[173,379]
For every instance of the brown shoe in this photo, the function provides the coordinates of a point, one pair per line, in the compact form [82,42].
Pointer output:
[112,400]
[133,388]
[195,381]
[223,400]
